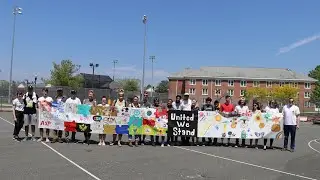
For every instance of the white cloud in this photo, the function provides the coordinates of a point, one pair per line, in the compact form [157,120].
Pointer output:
[298,44]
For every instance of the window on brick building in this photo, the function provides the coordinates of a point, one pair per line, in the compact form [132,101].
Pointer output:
[307,94]
[243,83]
[294,84]
[204,91]
[242,92]
[282,84]
[217,82]
[256,83]
[307,85]
[230,92]
[307,104]
[192,82]
[230,82]
[205,82]
[192,91]
[217,92]
[269,84]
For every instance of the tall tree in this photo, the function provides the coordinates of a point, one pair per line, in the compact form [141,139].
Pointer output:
[283,93]
[129,84]
[315,95]
[65,74]
[162,87]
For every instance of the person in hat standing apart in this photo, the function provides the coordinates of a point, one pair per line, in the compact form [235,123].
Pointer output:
[30,100]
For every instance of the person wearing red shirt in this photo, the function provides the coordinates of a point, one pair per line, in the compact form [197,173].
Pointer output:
[227,109]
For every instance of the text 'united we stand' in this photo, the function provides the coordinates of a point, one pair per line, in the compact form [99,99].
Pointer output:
[183,123]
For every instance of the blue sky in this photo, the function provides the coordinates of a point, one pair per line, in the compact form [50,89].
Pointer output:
[180,34]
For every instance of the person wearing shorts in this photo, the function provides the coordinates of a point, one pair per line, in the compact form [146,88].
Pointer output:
[30,113]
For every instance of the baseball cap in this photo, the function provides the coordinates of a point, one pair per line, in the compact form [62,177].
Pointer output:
[186,94]
[73,91]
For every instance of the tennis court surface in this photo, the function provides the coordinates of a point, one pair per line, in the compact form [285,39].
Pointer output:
[33,160]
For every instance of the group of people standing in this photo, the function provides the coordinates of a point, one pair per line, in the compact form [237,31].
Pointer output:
[26,106]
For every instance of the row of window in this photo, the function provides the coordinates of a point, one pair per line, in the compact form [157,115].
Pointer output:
[218,92]
[243,83]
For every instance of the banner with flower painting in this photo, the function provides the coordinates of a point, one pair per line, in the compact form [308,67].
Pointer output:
[249,126]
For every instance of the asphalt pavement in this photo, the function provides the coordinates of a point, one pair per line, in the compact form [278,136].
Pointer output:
[33,160]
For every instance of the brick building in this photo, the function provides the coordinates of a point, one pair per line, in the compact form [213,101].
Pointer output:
[216,82]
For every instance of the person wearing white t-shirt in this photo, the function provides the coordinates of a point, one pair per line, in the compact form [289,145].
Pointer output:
[186,103]
[17,111]
[242,110]
[291,121]
[44,102]
[273,110]
[72,100]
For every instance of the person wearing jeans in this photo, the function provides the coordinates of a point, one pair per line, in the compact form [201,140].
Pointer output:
[291,121]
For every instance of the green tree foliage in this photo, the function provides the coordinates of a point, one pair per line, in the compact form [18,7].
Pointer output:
[129,84]
[4,87]
[315,95]
[65,74]
[258,93]
[162,87]
[283,93]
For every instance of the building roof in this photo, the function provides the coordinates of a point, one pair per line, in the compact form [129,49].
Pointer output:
[246,73]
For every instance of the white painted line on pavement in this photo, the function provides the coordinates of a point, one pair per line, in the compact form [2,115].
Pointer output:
[61,155]
[246,163]
[309,144]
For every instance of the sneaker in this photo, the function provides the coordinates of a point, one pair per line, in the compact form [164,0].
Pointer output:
[235,146]
[264,147]
[136,143]
[142,144]
[119,143]
[47,140]
[34,139]
[60,140]
[168,145]
[103,143]
[292,150]
[25,139]
[99,144]
[284,149]
[153,144]
[130,144]
[40,139]
[256,147]
[54,140]
[203,145]
[111,143]
[162,145]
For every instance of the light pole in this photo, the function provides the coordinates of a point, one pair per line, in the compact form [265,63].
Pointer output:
[93,67]
[114,68]
[152,58]
[35,82]
[16,10]
[144,20]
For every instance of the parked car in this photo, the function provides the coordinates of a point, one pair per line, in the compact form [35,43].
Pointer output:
[314,118]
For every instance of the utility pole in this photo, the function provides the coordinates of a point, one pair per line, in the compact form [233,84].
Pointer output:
[152,58]
[114,68]
[16,10]
[144,20]
[93,67]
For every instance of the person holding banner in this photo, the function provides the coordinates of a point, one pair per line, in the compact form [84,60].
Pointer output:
[144,104]
[271,109]
[155,139]
[102,137]
[118,105]
[134,104]
[91,102]
[30,100]
[255,109]
[207,107]
[241,110]
[44,102]
[72,100]
[60,98]
[170,139]
[17,111]
[227,109]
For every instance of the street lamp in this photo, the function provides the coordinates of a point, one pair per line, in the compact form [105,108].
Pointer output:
[152,58]
[144,20]
[93,67]
[114,68]
[35,82]
[16,10]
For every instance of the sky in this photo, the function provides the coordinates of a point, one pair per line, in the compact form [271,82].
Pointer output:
[180,34]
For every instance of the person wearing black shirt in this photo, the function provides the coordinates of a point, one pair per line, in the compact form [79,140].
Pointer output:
[207,107]
[30,100]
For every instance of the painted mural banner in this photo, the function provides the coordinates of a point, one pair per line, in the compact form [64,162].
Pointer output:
[249,126]
[158,122]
